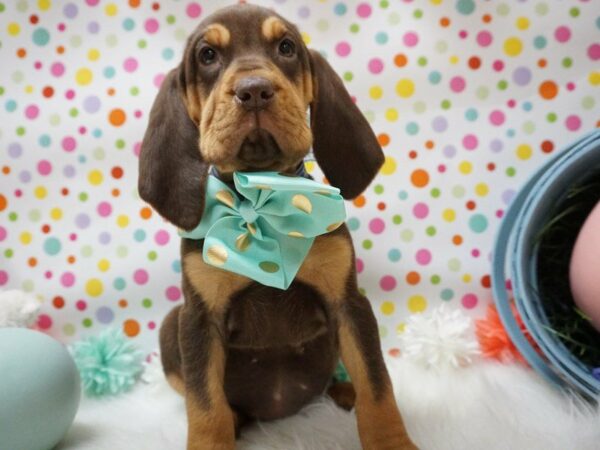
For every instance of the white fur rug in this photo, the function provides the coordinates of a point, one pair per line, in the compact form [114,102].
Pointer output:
[483,406]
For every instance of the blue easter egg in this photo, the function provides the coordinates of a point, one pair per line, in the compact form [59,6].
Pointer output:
[39,390]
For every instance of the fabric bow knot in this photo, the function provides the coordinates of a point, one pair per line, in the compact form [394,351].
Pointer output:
[265,227]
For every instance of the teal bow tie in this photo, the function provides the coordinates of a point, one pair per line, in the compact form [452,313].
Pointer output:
[265,229]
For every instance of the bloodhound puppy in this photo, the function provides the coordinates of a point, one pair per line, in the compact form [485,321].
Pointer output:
[237,349]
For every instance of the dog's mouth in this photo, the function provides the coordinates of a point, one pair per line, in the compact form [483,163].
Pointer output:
[262,141]
[260,151]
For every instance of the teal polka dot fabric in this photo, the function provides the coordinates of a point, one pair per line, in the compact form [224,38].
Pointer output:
[467,99]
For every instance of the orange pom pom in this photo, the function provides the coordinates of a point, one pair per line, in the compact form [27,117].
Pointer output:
[493,339]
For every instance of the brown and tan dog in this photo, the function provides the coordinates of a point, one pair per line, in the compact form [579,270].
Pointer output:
[238,349]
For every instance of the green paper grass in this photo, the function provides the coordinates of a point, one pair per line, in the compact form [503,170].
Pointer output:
[341,374]
[108,363]
[556,242]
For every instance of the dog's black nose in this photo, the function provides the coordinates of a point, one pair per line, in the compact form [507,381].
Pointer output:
[254,93]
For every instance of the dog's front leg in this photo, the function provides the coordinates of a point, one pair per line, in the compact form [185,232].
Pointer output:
[210,419]
[380,425]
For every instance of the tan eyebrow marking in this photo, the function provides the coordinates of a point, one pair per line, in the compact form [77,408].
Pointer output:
[273,28]
[217,35]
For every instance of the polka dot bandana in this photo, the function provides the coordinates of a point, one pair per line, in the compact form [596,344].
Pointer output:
[467,99]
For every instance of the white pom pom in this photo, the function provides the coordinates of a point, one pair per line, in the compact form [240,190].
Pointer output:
[441,339]
[153,371]
[18,309]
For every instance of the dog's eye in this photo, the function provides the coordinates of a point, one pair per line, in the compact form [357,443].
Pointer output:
[208,55]
[287,48]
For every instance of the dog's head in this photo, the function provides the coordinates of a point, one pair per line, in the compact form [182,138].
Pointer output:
[238,101]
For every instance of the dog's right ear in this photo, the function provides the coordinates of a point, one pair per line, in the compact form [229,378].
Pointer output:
[172,173]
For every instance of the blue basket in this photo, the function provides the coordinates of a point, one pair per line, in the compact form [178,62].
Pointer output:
[516,249]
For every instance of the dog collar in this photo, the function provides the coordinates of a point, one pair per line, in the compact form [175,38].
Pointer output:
[300,172]
[264,227]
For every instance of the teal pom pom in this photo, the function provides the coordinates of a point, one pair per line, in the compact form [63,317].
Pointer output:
[108,363]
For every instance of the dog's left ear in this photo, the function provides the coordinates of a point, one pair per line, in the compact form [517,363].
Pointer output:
[343,142]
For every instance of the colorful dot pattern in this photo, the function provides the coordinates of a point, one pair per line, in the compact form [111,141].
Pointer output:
[467,99]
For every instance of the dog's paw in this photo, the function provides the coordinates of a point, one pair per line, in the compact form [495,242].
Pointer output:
[343,395]
[205,444]
[389,442]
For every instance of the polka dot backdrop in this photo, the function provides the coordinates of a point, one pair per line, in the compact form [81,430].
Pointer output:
[466,98]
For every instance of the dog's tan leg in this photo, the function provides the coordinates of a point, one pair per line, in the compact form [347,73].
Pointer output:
[210,419]
[329,267]
[380,425]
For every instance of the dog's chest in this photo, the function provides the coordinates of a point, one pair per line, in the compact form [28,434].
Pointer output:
[263,317]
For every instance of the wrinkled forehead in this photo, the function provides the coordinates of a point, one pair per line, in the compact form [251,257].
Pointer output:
[244,28]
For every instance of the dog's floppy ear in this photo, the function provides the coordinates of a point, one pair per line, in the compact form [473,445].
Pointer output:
[172,173]
[343,142]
